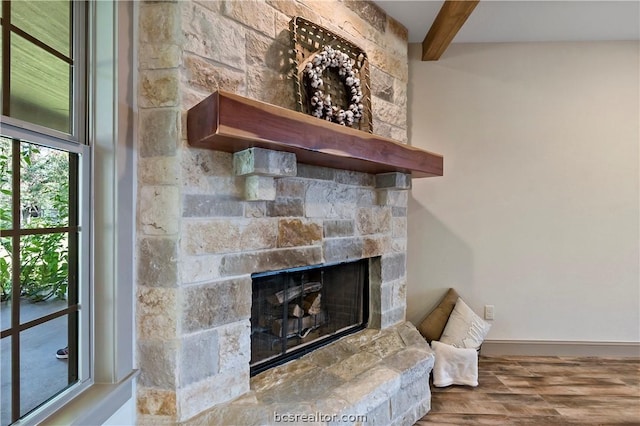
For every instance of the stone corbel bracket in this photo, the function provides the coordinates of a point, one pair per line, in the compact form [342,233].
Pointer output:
[388,183]
[260,167]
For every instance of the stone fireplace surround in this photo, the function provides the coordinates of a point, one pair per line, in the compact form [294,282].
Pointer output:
[199,238]
[381,373]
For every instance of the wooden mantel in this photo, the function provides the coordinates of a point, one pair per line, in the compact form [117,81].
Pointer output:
[232,123]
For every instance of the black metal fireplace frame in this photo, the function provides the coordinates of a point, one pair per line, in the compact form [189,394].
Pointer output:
[325,340]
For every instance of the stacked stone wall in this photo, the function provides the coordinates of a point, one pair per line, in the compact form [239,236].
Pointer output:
[199,238]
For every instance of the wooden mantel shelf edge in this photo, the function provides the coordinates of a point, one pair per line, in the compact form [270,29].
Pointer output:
[228,122]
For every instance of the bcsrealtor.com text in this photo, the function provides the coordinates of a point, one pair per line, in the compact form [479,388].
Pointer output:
[317,417]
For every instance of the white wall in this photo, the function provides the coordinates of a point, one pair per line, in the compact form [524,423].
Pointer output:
[538,211]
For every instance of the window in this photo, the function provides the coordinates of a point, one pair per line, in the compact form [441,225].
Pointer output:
[44,196]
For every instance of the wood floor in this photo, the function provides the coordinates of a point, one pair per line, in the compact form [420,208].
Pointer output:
[543,391]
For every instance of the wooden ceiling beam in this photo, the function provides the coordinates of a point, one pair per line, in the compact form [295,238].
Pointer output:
[450,19]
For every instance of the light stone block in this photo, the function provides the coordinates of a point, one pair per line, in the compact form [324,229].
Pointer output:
[373,220]
[399,227]
[157,262]
[399,134]
[156,316]
[153,56]
[211,237]
[158,362]
[283,207]
[254,14]
[270,260]
[411,337]
[259,234]
[393,180]
[290,187]
[349,177]
[210,305]
[387,344]
[158,208]
[382,84]
[231,414]
[206,77]
[331,355]
[200,268]
[158,132]
[195,398]
[368,391]
[159,88]
[380,416]
[332,404]
[298,232]
[272,87]
[393,316]
[419,410]
[342,249]
[394,199]
[414,365]
[399,245]
[264,162]
[259,188]
[400,93]
[315,172]
[291,392]
[158,171]
[395,65]
[397,296]
[235,345]
[393,267]
[210,35]
[201,205]
[227,236]
[338,228]
[409,396]
[376,245]
[388,112]
[151,420]
[258,46]
[156,402]
[206,162]
[380,297]
[255,209]
[354,365]
[198,357]
[159,23]
[272,378]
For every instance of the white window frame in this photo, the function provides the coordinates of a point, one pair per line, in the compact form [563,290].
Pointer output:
[106,363]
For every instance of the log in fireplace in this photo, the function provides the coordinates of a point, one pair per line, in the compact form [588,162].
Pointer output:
[298,310]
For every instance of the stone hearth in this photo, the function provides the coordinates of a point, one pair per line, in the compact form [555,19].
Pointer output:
[374,377]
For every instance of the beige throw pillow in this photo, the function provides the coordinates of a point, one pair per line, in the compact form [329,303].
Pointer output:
[433,325]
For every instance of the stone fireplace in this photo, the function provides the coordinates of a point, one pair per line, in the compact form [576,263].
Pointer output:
[206,224]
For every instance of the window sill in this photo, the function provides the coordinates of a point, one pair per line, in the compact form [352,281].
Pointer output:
[93,406]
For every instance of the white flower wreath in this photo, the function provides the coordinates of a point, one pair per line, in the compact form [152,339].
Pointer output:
[321,103]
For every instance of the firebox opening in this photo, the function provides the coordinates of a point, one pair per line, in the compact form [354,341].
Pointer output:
[295,311]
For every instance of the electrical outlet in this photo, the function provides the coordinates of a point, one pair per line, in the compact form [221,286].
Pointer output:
[488,312]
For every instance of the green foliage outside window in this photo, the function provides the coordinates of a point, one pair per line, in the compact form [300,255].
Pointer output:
[44,263]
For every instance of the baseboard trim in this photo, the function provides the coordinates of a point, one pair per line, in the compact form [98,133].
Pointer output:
[561,348]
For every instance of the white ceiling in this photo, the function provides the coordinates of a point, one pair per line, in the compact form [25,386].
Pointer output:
[523,21]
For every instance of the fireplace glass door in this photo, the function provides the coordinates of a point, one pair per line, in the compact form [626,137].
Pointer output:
[297,310]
